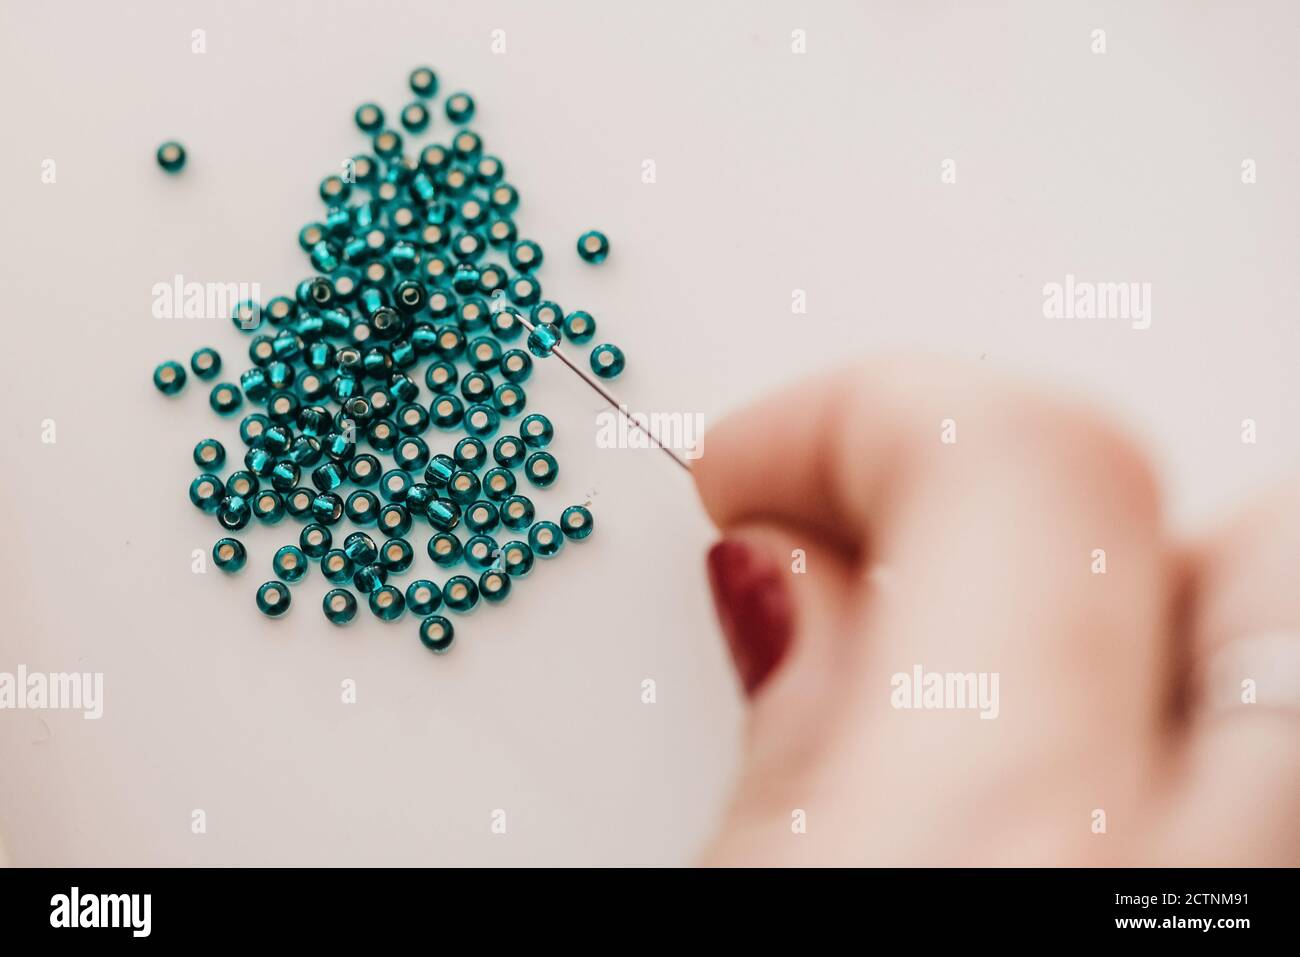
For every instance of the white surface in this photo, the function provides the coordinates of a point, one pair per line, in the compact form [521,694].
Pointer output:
[776,171]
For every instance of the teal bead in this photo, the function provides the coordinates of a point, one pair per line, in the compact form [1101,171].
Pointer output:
[445,549]
[579,327]
[450,343]
[517,512]
[516,558]
[254,383]
[491,279]
[412,419]
[419,496]
[423,81]
[275,439]
[498,484]
[576,522]
[509,451]
[467,145]
[315,540]
[423,597]
[234,512]
[593,247]
[394,519]
[542,340]
[229,555]
[364,470]
[209,454]
[361,549]
[476,387]
[494,585]
[482,516]
[525,255]
[369,117]
[443,514]
[470,453]
[415,117]
[550,313]
[259,461]
[205,363]
[503,199]
[545,539]
[207,493]
[225,398]
[524,291]
[281,309]
[273,599]
[387,603]
[509,399]
[169,377]
[412,453]
[504,320]
[253,427]
[441,377]
[246,316]
[463,487]
[336,566]
[171,156]
[460,107]
[483,353]
[387,144]
[460,593]
[328,476]
[285,476]
[515,365]
[268,506]
[501,231]
[242,483]
[541,469]
[396,555]
[466,277]
[607,360]
[326,508]
[369,578]
[446,412]
[469,248]
[298,503]
[339,605]
[482,421]
[394,485]
[305,451]
[440,469]
[324,258]
[437,634]
[480,552]
[362,507]
[489,170]
[335,191]
[381,435]
[289,563]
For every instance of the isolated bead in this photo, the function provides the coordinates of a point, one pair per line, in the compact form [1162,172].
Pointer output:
[273,599]
[482,516]
[437,634]
[445,549]
[576,522]
[542,340]
[315,540]
[207,493]
[423,597]
[517,512]
[362,507]
[545,539]
[205,362]
[542,469]
[369,578]
[339,605]
[229,555]
[607,360]
[171,156]
[579,327]
[169,378]
[494,585]
[460,107]
[593,246]
[498,484]
[268,506]
[460,593]
[516,558]
[290,563]
[387,603]
[415,117]
[336,566]
[234,512]
[369,117]
[209,454]
[225,398]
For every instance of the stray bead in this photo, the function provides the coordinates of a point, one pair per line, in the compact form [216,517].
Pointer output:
[460,108]
[542,469]
[369,117]
[593,247]
[387,603]
[206,363]
[607,360]
[169,377]
[171,156]
[273,599]
[460,593]
[415,117]
[579,327]
[545,539]
[423,597]
[229,555]
[424,82]
[209,454]
[576,522]
[437,634]
[290,563]
[339,606]
[494,585]
[225,398]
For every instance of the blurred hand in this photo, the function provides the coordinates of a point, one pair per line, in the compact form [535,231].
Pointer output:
[909,519]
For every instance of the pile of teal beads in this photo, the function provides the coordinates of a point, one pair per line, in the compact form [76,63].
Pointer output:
[407,328]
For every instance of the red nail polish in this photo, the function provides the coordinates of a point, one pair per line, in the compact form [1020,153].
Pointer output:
[753,605]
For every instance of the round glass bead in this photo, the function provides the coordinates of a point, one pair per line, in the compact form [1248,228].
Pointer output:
[476,387]
[498,483]
[501,231]
[207,493]
[450,342]
[440,470]
[281,309]
[289,563]
[412,419]
[509,399]
[423,597]
[466,278]
[576,522]
[494,585]
[470,453]
[205,362]
[415,117]
[361,548]
[460,593]
[394,519]
[246,316]
[285,476]
[242,483]
[336,566]
[229,555]
[548,312]
[447,412]
[387,603]
[339,605]
[169,377]
[509,451]
[480,552]
[460,107]
[252,427]
[326,508]
[536,431]
[268,506]
[482,421]
[469,248]
[254,384]
[259,461]
[369,578]
[492,278]
[328,476]
[516,558]
[209,454]
[445,549]
[482,516]
[437,634]
[542,340]
[171,156]
[362,507]
[423,81]
[593,247]
[396,554]
[298,503]
[524,291]
[517,512]
[365,470]
[234,512]
[463,487]
[381,435]
[419,496]
[483,353]
[541,469]
[607,360]
[412,453]
[225,398]
[394,485]
[467,145]
[387,143]
[276,439]
[545,539]
[579,327]
[503,199]
[525,255]
[369,117]
[515,365]
[315,540]
[443,514]
[441,377]
[273,599]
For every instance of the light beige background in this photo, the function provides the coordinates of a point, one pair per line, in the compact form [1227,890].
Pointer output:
[776,172]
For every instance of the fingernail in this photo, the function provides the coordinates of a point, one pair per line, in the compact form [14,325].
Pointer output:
[753,606]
